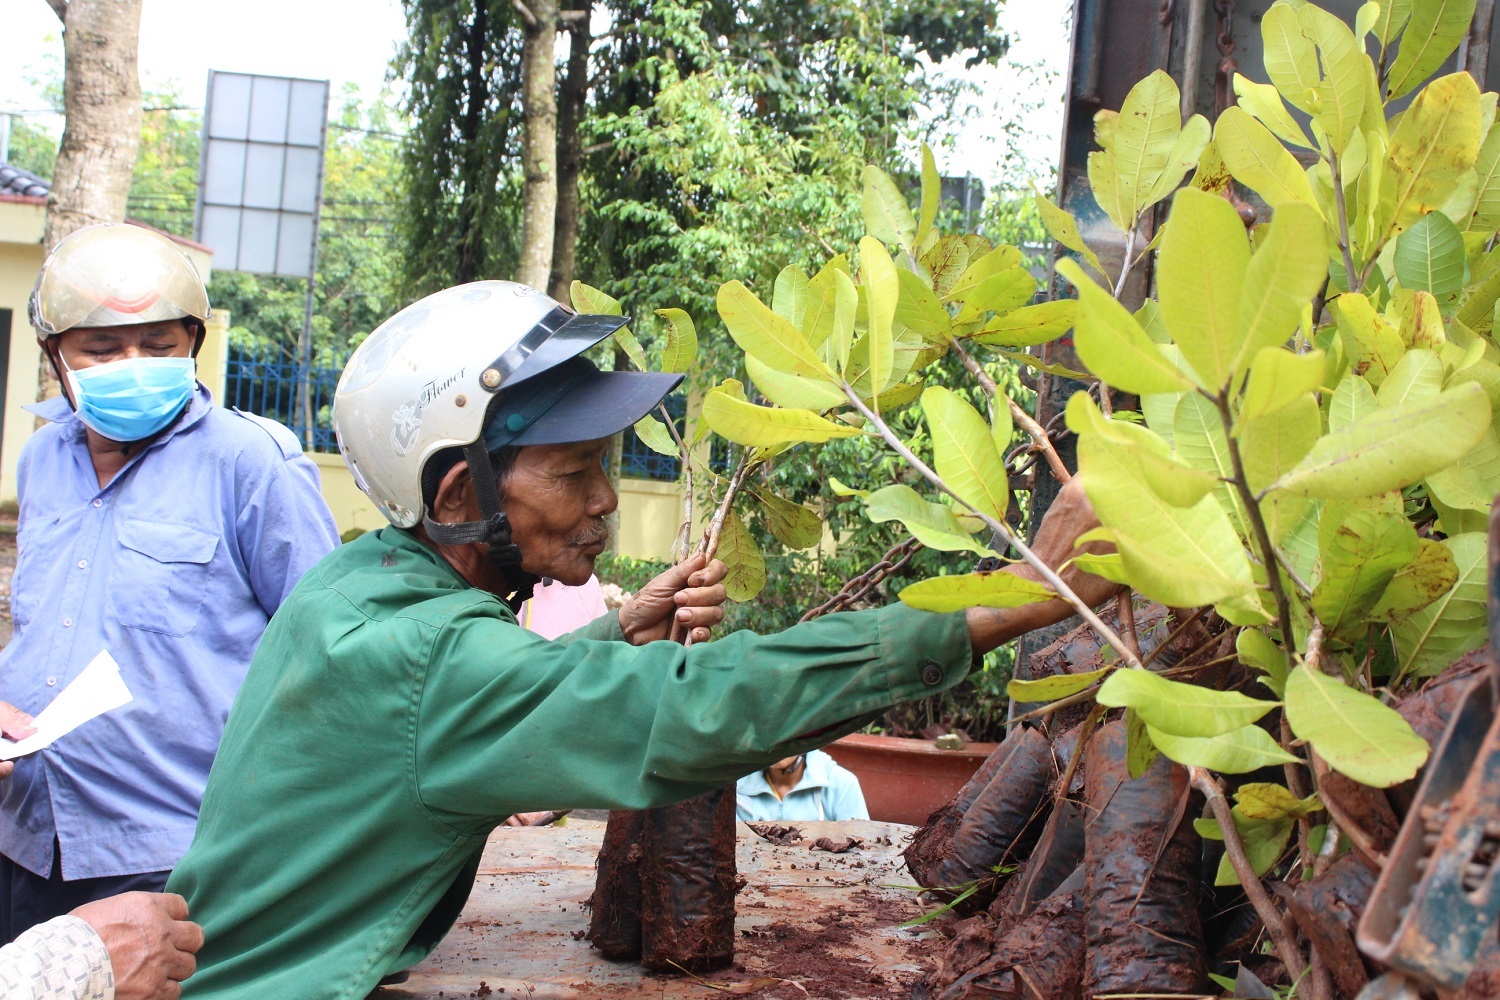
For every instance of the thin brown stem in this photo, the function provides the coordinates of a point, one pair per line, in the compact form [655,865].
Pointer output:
[1039,440]
[679,543]
[1125,262]
[1125,618]
[1276,926]
[1173,635]
[1085,732]
[1049,576]
[1355,284]
[710,543]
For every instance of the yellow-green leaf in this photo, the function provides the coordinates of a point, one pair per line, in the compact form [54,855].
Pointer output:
[766,426]
[1436,143]
[1181,157]
[1167,477]
[1145,136]
[1107,565]
[964,454]
[745,565]
[1393,447]
[1430,575]
[1179,709]
[1356,734]
[882,288]
[1290,59]
[1277,377]
[789,294]
[932,524]
[771,338]
[587,299]
[1262,800]
[1270,447]
[793,391]
[681,348]
[1258,160]
[919,310]
[1030,325]
[1373,345]
[1263,102]
[1417,377]
[1430,639]
[1361,552]
[1486,215]
[974,590]
[795,525]
[887,215]
[1433,32]
[950,257]
[1340,94]
[1393,17]
[1239,751]
[1200,272]
[1045,689]
[1257,651]
[998,293]
[1285,273]
[1065,231]
[1111,342]
[653,434]
[983,267]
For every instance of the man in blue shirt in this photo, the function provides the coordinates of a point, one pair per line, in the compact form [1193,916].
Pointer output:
[154,525]
[804,788]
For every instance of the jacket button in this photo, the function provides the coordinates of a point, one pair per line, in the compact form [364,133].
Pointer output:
[932,674]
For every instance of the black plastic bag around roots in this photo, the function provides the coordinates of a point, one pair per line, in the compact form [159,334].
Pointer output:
[615,924]
[688,885]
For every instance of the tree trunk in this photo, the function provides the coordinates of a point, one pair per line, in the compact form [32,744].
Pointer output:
[471,248]
[573,93]
[102,104]
[539,142]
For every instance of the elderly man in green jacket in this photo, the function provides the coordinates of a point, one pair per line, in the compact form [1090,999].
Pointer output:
[395,713]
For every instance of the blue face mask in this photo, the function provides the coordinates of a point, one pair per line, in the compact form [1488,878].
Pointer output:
[132,399]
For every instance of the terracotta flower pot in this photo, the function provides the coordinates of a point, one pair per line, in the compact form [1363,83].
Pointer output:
[905,780]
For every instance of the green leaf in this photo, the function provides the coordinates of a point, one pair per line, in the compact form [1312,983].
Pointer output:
[1290,59]
[1281,281]
[1430,575]
[1340,94]
[1239,751]
[1434,31]
[887,216]
[1258,160]
[1108,565]
[746,576]
[587,299]
[796,526]
[964,454]
[1430,256]
[1265,842]
[771,338]
[1435,144]
[1394,447]
[1373,345]
[682,341]
[1030,325]
[1356,734]
[1262,800]
[1417,377]
[1361,553]
[983,267]
[1455,623]
[998,293]
[1032,361]
[1047,689]
[882,289]
[1263,102]
[1064,230]
[1180,709]
[974,590]
[766,426]
[932,192]
[950,257]
[1270,447]
[933,524]
[1140,752]
[1393,17]
[1352,401]
[1278,377]
[1111,342]
[1486,216]
[1171,480]
[789,294]
[1183,156]
[1200,272]
[793,391]
[1136,149]
[919,310]
[653,434]
[1470,484]
[1258,652]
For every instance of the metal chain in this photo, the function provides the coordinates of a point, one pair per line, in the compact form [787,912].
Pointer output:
[1224,79]
[889,564]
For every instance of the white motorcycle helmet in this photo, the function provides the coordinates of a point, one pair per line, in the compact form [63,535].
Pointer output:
[477,367]
[116,274]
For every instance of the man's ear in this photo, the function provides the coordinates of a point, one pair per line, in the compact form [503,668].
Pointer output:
[455,501]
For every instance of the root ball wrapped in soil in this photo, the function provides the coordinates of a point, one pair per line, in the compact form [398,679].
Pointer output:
[688,885]
[615,921]
[1006,818]
[1141,855]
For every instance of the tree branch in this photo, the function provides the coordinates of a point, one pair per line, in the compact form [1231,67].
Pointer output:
[526,14]
[1047,573]
[1039,439]
[1275,924]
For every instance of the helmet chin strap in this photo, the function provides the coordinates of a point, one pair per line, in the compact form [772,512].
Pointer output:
[494,530]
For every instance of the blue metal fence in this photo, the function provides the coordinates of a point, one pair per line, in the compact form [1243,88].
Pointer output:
[639,462]
[264,380]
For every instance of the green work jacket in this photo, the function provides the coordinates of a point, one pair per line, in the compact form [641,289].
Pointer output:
[394,715]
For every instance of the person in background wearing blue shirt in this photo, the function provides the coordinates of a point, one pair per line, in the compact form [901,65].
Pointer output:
[154,525]
[803,788]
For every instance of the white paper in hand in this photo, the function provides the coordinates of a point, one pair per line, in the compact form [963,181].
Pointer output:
[96,690]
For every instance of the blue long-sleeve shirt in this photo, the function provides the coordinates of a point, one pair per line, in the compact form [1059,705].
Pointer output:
[175,567]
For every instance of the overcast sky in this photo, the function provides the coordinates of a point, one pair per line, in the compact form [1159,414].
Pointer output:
[353,42]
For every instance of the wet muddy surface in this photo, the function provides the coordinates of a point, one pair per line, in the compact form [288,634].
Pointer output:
[809,923]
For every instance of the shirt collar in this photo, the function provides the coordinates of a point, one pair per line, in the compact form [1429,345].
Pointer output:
[58,410]
[815,774]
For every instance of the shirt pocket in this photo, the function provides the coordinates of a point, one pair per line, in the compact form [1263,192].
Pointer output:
[161,576]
